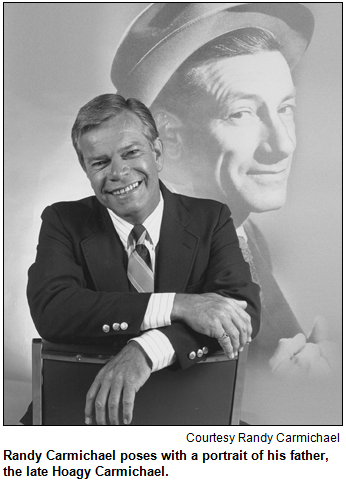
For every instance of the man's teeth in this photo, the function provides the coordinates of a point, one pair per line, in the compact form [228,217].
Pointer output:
[122,191]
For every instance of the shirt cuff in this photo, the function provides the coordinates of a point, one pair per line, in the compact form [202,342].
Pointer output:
[158,348]
[159,309]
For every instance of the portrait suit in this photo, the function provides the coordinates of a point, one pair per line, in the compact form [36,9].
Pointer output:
[277,319]
[79,282]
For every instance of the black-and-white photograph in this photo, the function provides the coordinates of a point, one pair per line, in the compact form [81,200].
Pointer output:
[173,201]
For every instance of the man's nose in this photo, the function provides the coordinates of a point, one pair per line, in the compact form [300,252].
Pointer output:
[117,168]
[279,140]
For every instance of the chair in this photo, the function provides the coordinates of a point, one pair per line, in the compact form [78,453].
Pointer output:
[208,393]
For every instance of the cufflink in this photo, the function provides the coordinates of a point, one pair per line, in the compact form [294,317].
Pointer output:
[199,353]
[192,355]
[106,328]
[124,325]
[116,326]
[205,350]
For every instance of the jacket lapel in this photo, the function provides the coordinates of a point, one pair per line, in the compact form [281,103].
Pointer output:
[177,246]
[104,252]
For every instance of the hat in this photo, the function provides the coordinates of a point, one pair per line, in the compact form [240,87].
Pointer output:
[164,35]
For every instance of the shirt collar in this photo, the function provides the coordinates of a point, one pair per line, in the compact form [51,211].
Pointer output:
[152,224]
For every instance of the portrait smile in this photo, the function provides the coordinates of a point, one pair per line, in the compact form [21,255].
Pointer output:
[241,135]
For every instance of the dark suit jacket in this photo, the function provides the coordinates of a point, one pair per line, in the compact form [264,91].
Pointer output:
[78,282]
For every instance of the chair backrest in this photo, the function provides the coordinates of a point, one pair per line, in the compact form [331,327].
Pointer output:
[208,393]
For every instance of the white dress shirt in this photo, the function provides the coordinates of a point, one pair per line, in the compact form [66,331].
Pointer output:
[158,314]
[241,232]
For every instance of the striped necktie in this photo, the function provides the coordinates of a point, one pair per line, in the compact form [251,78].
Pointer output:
[139,270]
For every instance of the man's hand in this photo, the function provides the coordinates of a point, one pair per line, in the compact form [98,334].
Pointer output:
[118,380]
[213,315]
[298,356]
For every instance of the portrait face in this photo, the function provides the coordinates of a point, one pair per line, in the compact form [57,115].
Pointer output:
[123,167]
[239,135]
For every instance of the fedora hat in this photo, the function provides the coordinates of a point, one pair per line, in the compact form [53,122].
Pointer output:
[164,35]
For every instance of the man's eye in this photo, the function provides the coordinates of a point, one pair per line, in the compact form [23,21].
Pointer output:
[241,117]
[133,152]
[99,164]
[287,110]
[240,114]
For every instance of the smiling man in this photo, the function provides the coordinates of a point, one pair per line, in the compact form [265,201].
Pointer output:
[121,138]
[158,276]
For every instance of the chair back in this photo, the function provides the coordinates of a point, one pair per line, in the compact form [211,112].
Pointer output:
[208,393]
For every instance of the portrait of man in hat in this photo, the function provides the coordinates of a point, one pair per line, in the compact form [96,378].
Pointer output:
[269,150]
[219,79]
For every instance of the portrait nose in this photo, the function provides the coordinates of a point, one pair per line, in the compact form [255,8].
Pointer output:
[279,140]
[117,168]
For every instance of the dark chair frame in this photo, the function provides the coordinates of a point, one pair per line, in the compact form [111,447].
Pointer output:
[223,376]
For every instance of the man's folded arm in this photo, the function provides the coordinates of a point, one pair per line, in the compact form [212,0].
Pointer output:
[228,275]
[65,304]
[64,309]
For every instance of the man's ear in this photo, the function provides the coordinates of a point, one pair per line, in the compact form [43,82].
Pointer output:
[158,150]
[170,128]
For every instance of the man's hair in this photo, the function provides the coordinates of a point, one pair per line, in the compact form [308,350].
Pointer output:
[182,88]
[104,107]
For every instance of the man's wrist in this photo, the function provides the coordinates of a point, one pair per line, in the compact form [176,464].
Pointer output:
[180,305]
[147,358]
[157,347]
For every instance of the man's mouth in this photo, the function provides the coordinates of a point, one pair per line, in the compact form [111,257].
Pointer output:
[271,170]
[256,172]
[126,190]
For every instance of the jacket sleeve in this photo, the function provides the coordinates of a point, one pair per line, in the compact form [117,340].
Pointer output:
[64,305]
[226,274]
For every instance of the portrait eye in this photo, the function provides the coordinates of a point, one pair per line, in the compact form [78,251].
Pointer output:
[287,110]
[242,116]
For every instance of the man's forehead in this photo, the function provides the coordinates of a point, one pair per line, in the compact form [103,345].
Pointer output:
[125,122]
[244,73]
[124,127]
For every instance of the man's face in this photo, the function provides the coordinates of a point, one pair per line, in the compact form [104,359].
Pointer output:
[240,134]
[122,167]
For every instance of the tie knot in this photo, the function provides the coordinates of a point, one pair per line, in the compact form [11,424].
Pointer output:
[138,233]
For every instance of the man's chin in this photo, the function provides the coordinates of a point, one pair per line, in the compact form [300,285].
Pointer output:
[267,203]
[260,202]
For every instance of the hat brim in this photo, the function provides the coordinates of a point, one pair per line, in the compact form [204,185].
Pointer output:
[291,23]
